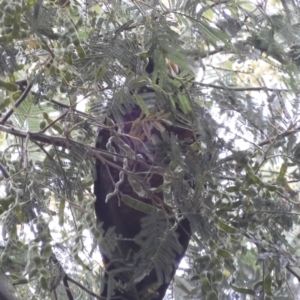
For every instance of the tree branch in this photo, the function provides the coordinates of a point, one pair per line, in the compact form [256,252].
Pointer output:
[67,288]
[69,143]
[18,102]
[37,136]
[293,272]
[241,89]
[67,107]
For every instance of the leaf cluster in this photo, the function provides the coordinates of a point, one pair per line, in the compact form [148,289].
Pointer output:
[67,65]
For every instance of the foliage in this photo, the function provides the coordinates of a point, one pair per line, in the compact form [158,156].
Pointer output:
[65,65]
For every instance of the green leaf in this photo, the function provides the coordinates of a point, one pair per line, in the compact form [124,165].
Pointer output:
[212,295]
[139,205]
[222,225]
[140,101]
[223,253]
[271,188]
[8,86]
[138,82]
[282,172]
[100,71]
[206,284]
[184,103]
[268,285]
[203,258]
[232,189]
[80,51]
[243,290]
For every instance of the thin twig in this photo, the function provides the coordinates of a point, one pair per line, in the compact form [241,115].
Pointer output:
[18,102]
[56,120]
[4,171]
[67,288]
[242,89]
[62,105]
[84,288]
[69,143]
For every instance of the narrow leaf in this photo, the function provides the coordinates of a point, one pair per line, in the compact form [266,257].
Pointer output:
[139,205]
